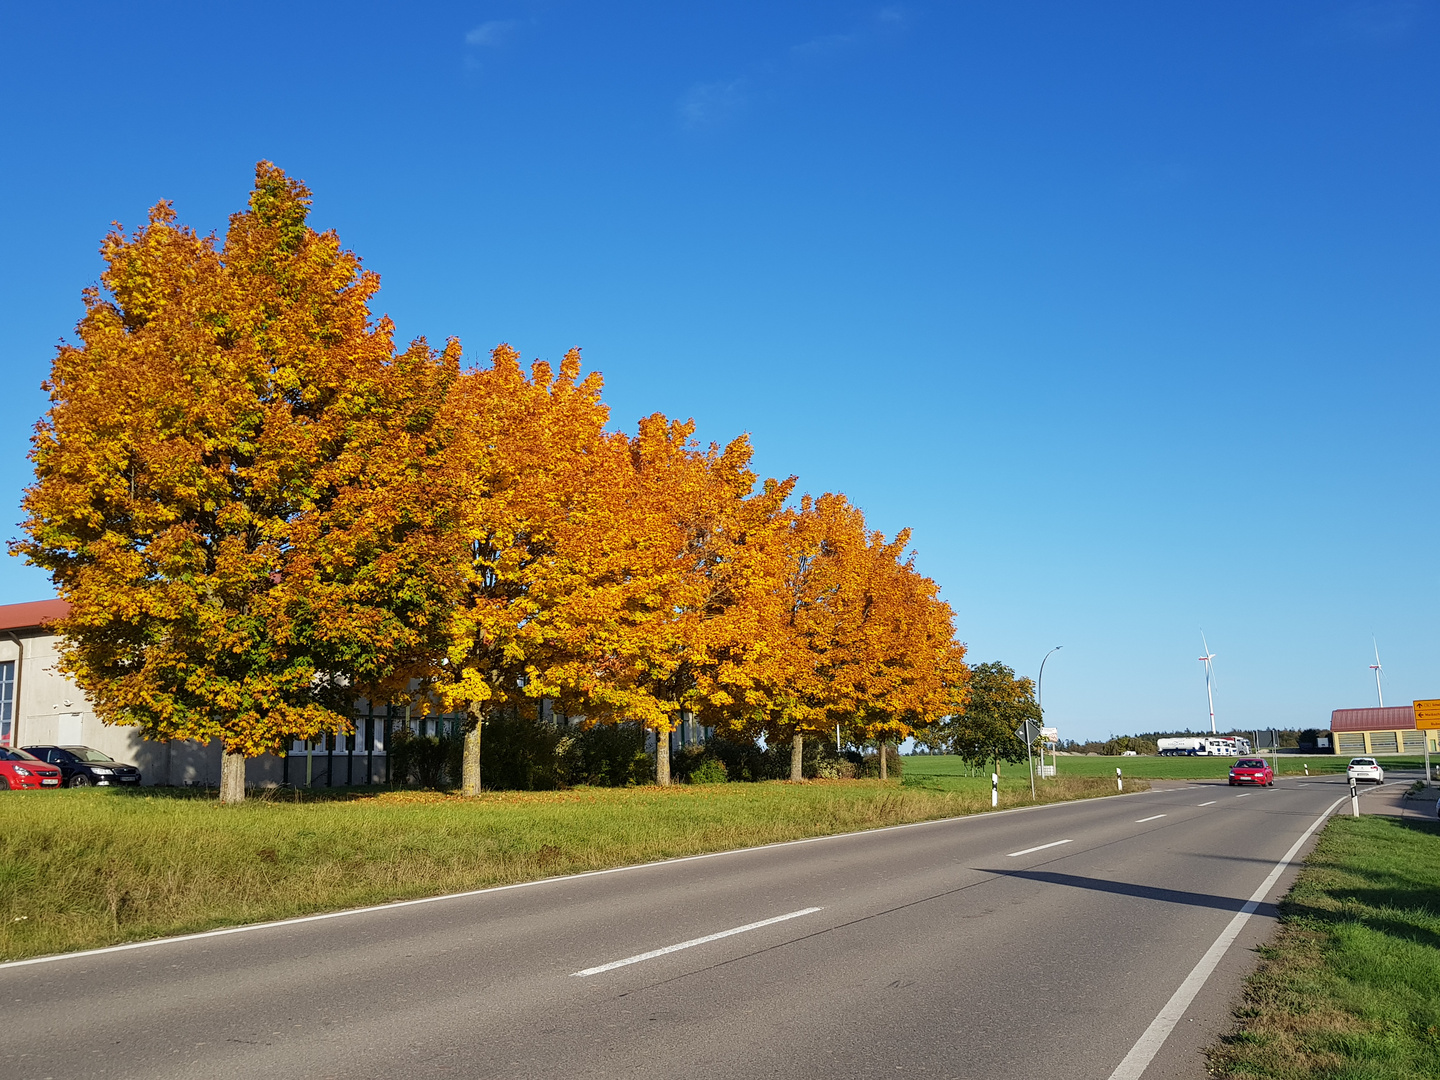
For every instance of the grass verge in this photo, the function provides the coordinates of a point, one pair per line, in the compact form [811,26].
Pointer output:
[1350,988]
[81,869]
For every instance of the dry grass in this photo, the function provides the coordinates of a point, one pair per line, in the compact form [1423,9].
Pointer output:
[80,869]
[1351,986]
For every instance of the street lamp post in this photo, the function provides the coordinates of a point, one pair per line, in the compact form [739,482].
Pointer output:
[1040,683]
[1040,698]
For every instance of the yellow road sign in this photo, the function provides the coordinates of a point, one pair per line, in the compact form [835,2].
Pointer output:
[1427,715]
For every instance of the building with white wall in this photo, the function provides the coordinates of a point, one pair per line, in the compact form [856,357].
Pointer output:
[40,706]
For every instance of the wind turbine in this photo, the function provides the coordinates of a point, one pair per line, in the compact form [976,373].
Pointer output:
[1375,667]
[1209,673]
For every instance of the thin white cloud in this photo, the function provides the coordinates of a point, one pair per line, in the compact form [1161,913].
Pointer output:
[492,33]
[1386,21]
[712,103]
[885,19]
[708,104]
[824,46]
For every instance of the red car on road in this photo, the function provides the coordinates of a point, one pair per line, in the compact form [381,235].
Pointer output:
[1252,770]
[21,770]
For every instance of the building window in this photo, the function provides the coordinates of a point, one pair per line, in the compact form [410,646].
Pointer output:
[7,701]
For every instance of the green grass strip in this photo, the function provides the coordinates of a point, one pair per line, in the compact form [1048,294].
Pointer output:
[83,869]
[1350,988]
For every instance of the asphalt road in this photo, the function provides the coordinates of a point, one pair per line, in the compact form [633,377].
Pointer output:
[932,950]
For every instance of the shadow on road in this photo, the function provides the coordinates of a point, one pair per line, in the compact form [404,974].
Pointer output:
[1142,892]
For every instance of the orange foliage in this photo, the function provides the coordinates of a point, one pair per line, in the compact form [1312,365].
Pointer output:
[230,480]
[257,508]
[863,640]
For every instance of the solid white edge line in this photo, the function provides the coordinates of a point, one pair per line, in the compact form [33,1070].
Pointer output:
[1153,817]
[1148,1045]
[692,943]
[1041,847]
[1210,803]
[391,906]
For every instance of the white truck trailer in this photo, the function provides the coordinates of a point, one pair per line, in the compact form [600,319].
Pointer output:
[1203,746]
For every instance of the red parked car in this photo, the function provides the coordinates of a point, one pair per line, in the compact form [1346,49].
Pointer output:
[1252,770]
[20,770]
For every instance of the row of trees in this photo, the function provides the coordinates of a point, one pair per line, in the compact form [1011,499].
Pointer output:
[259,508]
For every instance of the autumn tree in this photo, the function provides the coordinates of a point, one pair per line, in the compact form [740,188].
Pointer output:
[816,592]
[542,489]
[999,703]
[236,483]
[693,563]
[619,576]
[859,638]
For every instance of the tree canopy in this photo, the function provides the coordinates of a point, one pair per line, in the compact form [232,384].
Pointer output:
[230,480]
[999,703]
[259,508]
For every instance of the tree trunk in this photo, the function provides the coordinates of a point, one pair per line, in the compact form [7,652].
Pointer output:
[797,757]
[884,772]
[470,753]
[662,758]
[232,777]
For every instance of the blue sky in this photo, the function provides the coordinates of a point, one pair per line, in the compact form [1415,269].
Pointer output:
[1129,310]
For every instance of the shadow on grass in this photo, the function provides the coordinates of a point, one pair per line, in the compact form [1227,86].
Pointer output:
[1380,904]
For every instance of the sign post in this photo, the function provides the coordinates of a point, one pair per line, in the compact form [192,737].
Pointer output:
[1427,719]
[1051,737]
[1029,731]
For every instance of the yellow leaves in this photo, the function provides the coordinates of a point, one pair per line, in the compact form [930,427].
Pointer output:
[258,508]
[221,481]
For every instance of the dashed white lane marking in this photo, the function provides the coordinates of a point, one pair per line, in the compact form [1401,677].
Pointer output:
[1148,1045]
[1041,847]
[1210,803]
[1152,817]
[693,942]
[1242,795]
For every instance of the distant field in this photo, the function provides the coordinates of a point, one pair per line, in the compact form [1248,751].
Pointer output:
[947,767]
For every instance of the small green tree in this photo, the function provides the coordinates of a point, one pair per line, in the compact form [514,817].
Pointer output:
[999,703]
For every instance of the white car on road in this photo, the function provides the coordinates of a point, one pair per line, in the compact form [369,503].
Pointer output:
[1365,768]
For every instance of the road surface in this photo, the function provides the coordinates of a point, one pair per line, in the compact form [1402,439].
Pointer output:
[1034,943]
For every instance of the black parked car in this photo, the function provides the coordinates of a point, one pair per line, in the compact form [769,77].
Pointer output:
[81,766]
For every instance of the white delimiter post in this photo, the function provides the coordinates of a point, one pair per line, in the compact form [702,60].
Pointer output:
[1354,799]
[1119,783]
[994,790]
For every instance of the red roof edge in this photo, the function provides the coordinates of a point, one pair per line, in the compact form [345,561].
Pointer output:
[1389,718]
[34,615]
